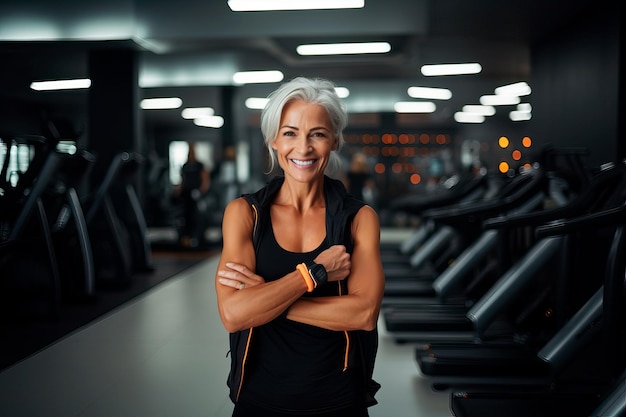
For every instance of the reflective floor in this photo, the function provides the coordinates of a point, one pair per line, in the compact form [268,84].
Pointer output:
[164,354]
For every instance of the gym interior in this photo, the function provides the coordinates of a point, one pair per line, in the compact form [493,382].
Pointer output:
[502,240]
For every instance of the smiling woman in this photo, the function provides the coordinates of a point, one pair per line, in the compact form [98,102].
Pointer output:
[301,269]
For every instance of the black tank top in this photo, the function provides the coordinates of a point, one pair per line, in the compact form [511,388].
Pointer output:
[293,366]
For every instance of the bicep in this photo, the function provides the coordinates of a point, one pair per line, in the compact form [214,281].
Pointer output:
[237,236]
[366,275]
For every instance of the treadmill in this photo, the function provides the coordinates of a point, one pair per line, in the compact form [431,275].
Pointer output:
[69,228]
[420,322]
[466,189]
[30,275]
[457,227]
[599,391]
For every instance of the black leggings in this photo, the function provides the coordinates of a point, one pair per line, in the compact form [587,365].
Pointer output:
[247,410]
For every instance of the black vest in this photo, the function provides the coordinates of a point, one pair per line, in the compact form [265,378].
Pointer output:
[341,208]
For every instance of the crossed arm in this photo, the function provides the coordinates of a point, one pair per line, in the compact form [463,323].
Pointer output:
[246,300]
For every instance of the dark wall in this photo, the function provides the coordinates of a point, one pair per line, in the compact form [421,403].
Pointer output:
[575,78]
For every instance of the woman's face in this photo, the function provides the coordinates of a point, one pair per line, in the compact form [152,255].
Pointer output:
[304,141]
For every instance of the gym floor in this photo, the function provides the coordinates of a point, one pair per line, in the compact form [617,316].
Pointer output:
[164,354]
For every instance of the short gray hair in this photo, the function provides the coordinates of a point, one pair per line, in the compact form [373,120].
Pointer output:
[310,90]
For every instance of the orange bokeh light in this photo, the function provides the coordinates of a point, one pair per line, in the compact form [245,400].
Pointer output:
[503,167]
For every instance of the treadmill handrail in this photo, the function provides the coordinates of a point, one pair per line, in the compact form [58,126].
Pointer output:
[606,217]
[500,295]
[608,184]
[528,185]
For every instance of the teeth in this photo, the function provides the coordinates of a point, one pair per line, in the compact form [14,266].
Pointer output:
[302,163]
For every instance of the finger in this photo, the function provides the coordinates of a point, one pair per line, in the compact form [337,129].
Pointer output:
[230,283]
[242,269]
[232,275]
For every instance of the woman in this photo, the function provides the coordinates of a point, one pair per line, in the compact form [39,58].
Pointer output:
[299,298]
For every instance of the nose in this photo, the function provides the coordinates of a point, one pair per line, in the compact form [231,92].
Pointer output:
[303,144]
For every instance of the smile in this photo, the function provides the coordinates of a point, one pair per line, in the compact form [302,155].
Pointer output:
[301,163]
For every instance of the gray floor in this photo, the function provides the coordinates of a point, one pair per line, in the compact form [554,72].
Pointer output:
[164,354]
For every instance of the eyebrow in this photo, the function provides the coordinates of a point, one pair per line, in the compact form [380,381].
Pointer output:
[313,129]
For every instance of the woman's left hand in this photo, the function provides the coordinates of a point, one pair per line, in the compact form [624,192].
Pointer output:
[238,276]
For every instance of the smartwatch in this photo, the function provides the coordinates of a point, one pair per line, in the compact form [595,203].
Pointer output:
[318,273]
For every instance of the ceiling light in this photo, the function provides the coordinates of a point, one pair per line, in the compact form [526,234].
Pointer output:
[344,48]
[196,112]
[60,84]
[430,93]
[451,69]
[479,109]
[462,117]
[516,89]
[499,100]
[161,103]
[210,121]
[252,77]
[523,112]
[518,116]
[256,103]
[264,5]
[342,92]
[414,107]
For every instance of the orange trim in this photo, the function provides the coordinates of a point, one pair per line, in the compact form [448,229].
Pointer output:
[345,358]
[243,362]
[345,332]
[256,218]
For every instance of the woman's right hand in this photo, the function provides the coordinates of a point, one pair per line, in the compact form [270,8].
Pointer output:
[336,261]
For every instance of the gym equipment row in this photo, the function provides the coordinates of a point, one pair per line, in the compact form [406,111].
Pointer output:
[55,244]
[549,284]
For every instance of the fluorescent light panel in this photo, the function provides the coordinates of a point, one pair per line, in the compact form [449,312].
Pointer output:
[499,100]
[256,103]
[414,107]
[518,116]
[161,103]
[344,48]
[430,93]
[516,89]
[451,69]
[265,5]
[196,112]
[210,121]
[479,109]
[462,117]
[61,84]
[253,77]
[342,92]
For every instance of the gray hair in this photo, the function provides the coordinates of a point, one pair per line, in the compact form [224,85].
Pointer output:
[310,90]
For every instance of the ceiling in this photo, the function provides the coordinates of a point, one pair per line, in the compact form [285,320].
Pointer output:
[191,48]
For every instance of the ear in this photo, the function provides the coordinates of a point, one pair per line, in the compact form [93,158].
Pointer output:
[273,144]
[335,143]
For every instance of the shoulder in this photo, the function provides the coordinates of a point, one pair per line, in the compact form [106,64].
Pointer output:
[366,222]
[238,211]
[366,214]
